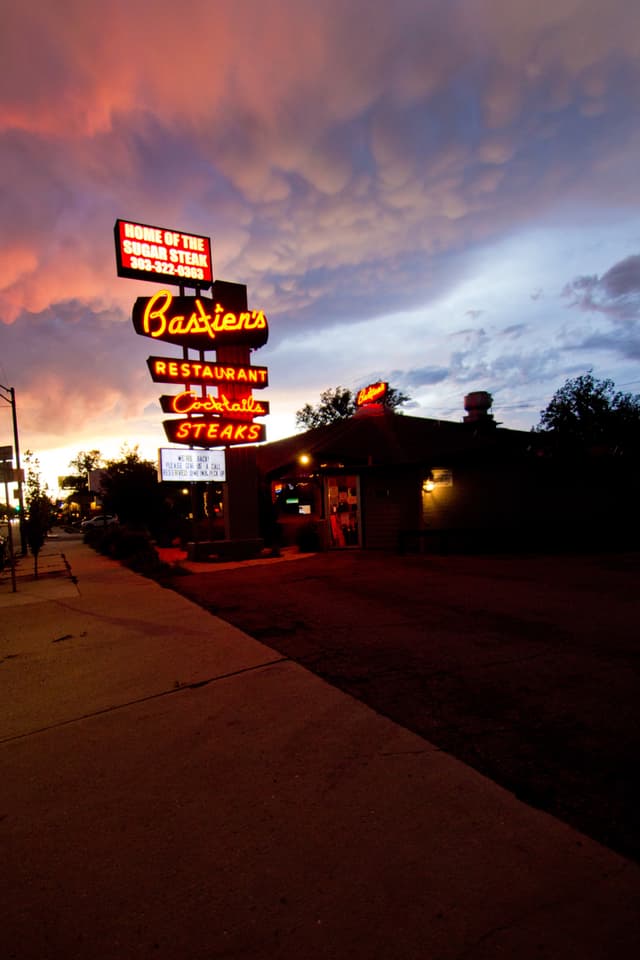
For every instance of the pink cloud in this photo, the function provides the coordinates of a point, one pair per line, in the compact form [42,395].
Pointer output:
[321,144]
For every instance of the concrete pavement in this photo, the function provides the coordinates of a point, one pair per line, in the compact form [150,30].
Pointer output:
[171,788]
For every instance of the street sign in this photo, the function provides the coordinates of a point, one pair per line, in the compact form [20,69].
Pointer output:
[6,453]
[9,474]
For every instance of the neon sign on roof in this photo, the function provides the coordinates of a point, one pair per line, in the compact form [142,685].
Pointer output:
[374,393]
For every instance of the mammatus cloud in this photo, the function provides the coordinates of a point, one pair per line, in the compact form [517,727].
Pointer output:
[626,343]
[77,367]
[349,160]
[515,331]
[428,132]
[422,377]
[616,293]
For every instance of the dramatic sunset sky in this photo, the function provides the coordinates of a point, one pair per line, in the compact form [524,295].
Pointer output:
[442,193]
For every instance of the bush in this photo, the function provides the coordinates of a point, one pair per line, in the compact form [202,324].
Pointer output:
[308,538]
[133,548]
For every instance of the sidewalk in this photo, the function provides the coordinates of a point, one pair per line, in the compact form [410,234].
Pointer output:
[171,788]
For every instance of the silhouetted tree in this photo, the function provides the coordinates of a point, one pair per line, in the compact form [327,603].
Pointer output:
[131,489]
[39,508]
[339,403]
[589,413]
[83,464]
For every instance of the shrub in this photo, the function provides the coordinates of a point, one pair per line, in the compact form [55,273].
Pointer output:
[308,538]
[133,548]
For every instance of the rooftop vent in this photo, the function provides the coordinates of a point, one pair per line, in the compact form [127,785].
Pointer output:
[477,405]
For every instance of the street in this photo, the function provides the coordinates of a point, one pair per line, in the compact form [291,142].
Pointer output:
[526,667]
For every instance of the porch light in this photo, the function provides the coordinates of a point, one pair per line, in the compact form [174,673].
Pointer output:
[304,459]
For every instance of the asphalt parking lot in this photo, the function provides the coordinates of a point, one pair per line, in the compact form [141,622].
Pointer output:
[524,667]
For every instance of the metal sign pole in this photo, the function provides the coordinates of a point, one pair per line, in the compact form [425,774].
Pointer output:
[11,399]
[12,558]
[22,522]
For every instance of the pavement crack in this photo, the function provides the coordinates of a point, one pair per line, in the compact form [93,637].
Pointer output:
[179,688]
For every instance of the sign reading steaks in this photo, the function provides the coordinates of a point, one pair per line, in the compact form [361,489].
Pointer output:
[213,433]
[199,323]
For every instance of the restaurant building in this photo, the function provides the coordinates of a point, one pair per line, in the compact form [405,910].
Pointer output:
[389,481]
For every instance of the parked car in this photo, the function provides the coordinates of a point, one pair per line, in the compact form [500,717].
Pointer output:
[103,520]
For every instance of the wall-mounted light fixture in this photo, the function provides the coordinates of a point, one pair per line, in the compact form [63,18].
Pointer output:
[428,484]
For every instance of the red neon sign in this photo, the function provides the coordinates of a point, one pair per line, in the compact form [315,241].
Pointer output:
[203,324]
[189,402]
[144,252]
[169,370]
[374,393]
[213,433]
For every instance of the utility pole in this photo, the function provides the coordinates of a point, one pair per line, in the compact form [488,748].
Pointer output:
[10,398]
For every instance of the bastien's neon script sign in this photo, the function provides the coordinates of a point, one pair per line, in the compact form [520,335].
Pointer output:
[203,324]
[374,393]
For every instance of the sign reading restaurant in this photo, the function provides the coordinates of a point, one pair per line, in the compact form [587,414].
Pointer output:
[172,370]
[168,256]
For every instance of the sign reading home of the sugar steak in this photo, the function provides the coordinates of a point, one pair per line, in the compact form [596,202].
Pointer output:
[172,370]
[144,252]
[213,433]
[198,322]
[188,402]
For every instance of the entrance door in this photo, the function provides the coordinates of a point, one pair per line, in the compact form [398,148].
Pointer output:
[343,511]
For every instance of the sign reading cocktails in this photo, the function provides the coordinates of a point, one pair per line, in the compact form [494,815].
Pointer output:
[165,256]
[189,402]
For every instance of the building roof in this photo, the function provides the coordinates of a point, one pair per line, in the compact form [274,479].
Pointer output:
[383,437]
